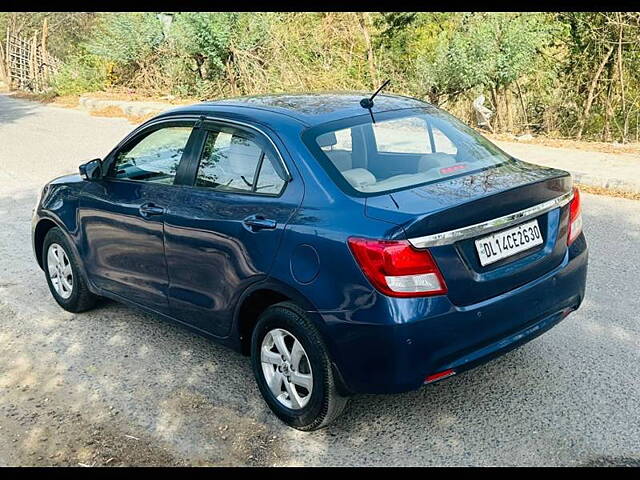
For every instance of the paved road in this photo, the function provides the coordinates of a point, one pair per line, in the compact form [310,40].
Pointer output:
[115,386]
[596,169]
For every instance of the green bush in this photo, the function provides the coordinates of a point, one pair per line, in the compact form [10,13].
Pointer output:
[79,74]
[536,70]
[126,37]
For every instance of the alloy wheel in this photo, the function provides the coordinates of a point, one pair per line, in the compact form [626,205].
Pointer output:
[60,272]
[286,368]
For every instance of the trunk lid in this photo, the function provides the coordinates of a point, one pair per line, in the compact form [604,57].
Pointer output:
[466,200]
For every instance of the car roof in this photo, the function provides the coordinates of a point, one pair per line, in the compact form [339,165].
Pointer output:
[307,108]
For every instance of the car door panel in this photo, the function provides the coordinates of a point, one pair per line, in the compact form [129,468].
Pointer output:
[124,248]
[121,216]
[217,243]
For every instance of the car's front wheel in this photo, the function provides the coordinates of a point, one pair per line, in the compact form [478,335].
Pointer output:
[293,369]
[63,274]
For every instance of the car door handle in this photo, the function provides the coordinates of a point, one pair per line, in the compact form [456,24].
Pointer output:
[149,209]
[258,222]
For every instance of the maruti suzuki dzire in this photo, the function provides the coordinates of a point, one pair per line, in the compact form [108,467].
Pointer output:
[346,247]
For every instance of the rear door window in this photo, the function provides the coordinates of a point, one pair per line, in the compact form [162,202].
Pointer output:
[233,160]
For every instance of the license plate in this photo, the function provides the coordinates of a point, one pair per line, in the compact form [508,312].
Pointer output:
[508,242]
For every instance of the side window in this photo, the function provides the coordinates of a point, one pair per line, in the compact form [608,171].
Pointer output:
[155,158]
[442,143]
[268,179]
[233,161]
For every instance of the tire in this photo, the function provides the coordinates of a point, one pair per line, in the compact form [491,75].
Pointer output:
[78,298]
[323,403]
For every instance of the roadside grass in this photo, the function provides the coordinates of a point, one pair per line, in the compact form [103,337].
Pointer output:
[116,112]
[141,96]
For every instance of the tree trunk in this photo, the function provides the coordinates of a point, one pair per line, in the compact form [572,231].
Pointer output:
[434,97]
[497,120]
[7,65]
[509,113]
[608,112]
[231,77]
[3,71]
[591,94]
[524,108]
[625,128]
[363,22]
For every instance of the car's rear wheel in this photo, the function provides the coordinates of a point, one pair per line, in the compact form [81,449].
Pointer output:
[63,274]
[293,369]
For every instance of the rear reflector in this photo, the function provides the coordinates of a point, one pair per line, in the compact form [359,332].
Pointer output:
[397,269]
[439,376]
[575,217]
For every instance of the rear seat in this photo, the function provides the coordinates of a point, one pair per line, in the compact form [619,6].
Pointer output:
[359,178]
[342,159]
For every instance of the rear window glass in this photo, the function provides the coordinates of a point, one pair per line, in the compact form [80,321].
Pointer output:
[403,152]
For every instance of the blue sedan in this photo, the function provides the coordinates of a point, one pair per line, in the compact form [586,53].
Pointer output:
[346,246]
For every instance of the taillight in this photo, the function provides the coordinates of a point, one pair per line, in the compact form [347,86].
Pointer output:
[575,217]
[397,269]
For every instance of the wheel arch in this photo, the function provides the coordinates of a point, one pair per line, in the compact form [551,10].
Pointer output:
[271,292]
[42,228]
[256,299]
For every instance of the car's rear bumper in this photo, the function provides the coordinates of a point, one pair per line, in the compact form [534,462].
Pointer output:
[374,357]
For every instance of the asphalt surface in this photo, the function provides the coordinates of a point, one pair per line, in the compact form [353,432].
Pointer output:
[116,386]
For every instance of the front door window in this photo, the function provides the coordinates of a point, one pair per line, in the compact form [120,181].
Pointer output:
[155,158]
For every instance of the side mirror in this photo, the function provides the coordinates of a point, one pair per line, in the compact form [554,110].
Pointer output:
[92,170]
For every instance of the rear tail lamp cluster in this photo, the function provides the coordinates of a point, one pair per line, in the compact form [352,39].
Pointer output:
[575,217]
[397,269]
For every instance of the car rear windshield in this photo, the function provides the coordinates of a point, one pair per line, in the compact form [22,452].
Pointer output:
[403,151]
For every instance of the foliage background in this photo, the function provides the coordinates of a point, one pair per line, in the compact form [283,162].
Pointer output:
[567,74]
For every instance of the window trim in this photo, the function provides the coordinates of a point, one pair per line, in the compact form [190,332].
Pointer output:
[210,124]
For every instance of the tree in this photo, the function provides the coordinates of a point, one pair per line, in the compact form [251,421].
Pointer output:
[604,65]
[490,50]
[205,38]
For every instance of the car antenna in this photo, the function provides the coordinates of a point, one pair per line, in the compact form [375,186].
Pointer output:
[368,102]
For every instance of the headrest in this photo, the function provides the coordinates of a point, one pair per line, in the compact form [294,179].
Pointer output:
[359,177]
[327,139]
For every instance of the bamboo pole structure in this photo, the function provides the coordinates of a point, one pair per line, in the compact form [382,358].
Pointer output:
[26,64]
[7,62]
